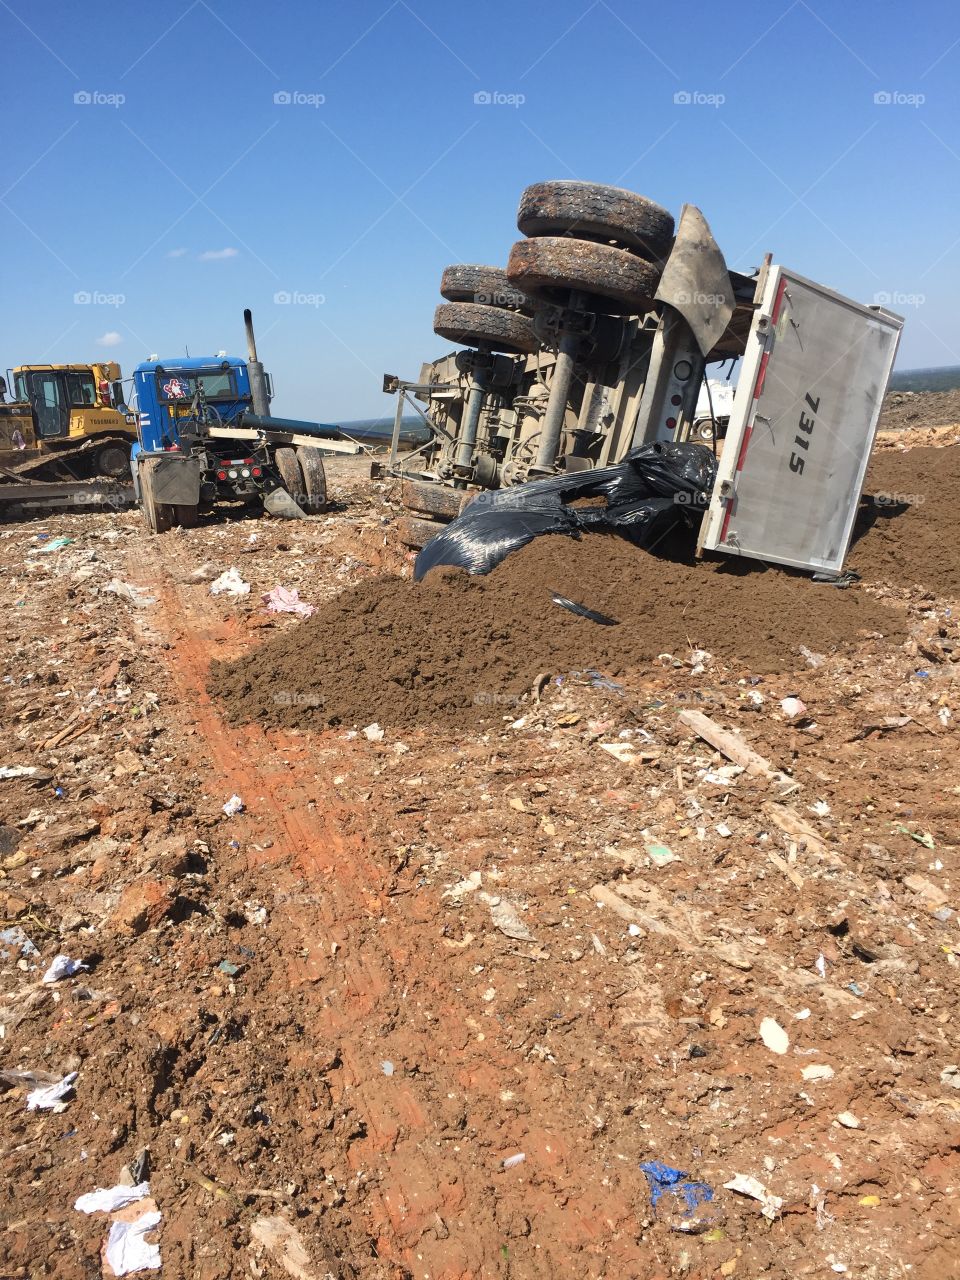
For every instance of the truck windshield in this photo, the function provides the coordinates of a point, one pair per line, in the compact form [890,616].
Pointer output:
[218,384]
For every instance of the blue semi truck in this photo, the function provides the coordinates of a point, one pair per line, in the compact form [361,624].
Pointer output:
[205,435]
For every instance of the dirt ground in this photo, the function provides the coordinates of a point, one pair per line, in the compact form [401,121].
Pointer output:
[551,928]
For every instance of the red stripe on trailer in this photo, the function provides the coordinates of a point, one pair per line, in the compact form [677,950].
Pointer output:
[764,361]
[778,302]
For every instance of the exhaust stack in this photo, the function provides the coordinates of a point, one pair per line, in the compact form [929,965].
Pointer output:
[258,379]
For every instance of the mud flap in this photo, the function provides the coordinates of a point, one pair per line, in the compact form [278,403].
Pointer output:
[279,503]
[696,282]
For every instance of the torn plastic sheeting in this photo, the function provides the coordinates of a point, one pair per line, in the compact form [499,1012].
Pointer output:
[138,596]
[287,600]
[127,1249]
[686,1196]
[230,583]
[110,1199]
[655,488]
[747,1185]
[48,1096]
[63,967]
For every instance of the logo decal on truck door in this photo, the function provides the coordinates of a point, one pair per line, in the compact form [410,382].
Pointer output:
[802,439]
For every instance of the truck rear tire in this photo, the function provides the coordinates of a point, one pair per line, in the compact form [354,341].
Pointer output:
[616,282]
[488,286]
[314,496]
[592,211]
[470,324]
[285,460]
[157,516]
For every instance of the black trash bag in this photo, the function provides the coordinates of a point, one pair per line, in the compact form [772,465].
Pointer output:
[655,487]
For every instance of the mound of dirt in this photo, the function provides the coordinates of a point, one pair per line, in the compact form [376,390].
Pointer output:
[456,649]
[902,409]
[908,529]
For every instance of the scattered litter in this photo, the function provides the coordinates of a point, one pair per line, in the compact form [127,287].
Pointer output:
[582,611]
[17,771]
[724,831]
[127,1249]
[511,1162]
[848,1120]
[138,596]
[802,1015]
[284,1241]
[63,967]
[774,1036]
[660,855]
[227,967]
[231,584]
[204,573]
[747,1185]
[14,937]
[820,808]
[856,988]
[50,1096]
[506,918]
[821,965]
[386,1067]
[869,1202]
[373,732]
[109,1199]
[818,1071]
[724,775]
[676,1201]
[287,600]
[233,806]
[793,707]
[626,753]
[55,544]
[950,1076]
[921,837]
[634,930]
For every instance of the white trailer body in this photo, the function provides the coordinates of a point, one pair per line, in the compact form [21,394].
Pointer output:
[804,418]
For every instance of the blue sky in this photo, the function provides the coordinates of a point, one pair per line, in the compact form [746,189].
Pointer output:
[178,187]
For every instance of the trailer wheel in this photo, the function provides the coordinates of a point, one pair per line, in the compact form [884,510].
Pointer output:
[157,516]
[314,496]
[487,286]
[590,211]
[285,460]
[470,324]
[616,282]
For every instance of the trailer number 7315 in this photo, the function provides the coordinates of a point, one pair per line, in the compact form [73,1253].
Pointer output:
[804,432]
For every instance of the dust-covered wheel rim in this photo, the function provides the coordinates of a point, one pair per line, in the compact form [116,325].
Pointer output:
[487,286]
[471,324]
[589,210]
[615,281]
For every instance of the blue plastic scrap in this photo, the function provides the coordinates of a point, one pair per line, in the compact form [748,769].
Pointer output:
[664,1180]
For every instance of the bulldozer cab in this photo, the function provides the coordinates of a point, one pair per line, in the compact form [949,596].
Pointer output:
[57,392]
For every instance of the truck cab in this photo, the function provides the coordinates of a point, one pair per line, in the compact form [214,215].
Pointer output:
[170,393]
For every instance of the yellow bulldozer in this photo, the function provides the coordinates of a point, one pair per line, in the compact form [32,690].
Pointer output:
[66,435]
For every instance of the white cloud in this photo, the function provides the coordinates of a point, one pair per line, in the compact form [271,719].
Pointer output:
[217,255]
[177,253]
[110,339]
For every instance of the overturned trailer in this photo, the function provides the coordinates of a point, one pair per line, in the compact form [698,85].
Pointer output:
[597,339]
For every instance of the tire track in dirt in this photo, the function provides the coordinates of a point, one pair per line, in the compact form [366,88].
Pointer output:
[363,962]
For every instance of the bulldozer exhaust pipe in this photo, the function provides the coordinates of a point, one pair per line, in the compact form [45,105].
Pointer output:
[258,379]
